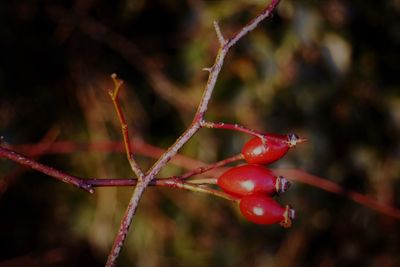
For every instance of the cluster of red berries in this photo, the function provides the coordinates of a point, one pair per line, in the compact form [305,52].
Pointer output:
[255,185]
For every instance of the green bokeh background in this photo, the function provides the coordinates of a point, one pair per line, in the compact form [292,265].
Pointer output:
[327,70]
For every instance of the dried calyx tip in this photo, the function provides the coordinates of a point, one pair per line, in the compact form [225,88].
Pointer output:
[282,185]
[289,215]
[294,139]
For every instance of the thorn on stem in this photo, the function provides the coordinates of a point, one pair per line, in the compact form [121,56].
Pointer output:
[207,69]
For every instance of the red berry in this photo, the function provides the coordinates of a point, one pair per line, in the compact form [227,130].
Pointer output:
[275,147]
[261,209]
[250,179]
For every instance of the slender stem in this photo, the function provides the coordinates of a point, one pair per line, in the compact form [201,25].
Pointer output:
[204,181]
[88,184]
[193,128]
[124,127]
[30,163]
[211,166]
[233,127]
[253,24]
[125,224]
[207,190]
[220,36]
[191,185]
[36,150]
[164,182]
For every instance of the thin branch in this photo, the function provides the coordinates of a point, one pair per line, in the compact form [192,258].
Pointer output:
[124,127]
[164,182]
[207,190]
[204,181]
[36,150]
[193,128]
[211,166]
[234,127]
[253,24]
[220,37]
[59,175]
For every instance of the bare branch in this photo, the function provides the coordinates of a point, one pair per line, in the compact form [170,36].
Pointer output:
[212,166]
[193,128]
[234,127]
[124,127]
[59,175]
[221,38]
[253,24]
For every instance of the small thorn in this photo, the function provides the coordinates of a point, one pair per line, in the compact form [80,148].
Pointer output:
[207,69]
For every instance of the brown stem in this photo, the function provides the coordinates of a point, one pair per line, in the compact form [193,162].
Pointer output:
[233,127]
[124,127]
[36,150]
[59,175]
[212,166]
[193,128]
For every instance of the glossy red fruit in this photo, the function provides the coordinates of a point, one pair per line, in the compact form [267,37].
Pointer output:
[261,209]
[250,179]
[276,146]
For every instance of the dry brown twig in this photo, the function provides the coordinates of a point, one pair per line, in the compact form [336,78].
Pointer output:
[190,131]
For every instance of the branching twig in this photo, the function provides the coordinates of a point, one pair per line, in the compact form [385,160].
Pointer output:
[194,127]
[124,126]
[59,175]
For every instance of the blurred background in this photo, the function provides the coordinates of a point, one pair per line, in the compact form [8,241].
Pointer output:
[327,70]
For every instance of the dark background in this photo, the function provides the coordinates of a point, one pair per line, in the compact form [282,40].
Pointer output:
[328,70]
